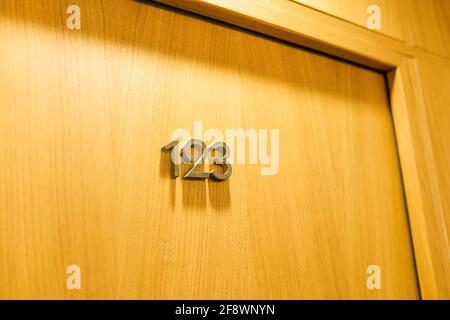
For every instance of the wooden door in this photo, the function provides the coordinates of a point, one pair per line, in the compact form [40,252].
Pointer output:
[84,114]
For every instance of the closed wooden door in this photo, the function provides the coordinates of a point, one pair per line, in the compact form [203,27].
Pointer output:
[84,114]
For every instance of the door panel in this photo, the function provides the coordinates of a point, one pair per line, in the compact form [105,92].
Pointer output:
[84,115]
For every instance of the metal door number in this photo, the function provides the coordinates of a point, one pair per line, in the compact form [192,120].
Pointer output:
[201,152]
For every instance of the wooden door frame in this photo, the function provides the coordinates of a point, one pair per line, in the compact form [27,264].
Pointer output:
[301,25]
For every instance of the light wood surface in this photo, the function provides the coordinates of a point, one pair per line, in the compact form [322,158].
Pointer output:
[85,113]
[421,180]
[426,31]
[423,24]
[435,73]
[302,25]
[428,25]
[356,12]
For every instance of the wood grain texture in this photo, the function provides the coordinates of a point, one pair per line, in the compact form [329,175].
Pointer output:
[85,113]
[427,23]
[420,169]
[304,26]
[356,12]
[435,75]
[424,24]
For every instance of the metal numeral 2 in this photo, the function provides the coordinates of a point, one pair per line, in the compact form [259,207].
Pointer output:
[199,146]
